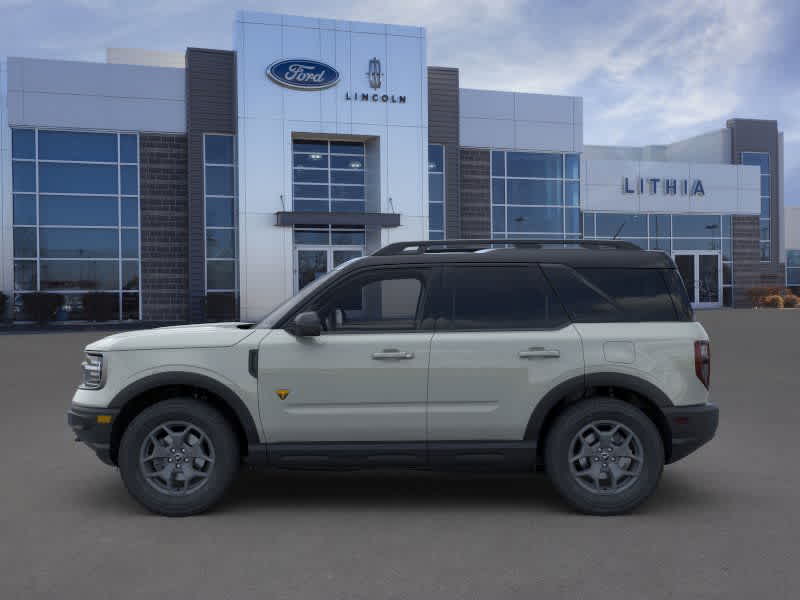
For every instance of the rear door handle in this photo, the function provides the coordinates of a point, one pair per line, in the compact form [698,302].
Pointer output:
[392,354]
[540,353]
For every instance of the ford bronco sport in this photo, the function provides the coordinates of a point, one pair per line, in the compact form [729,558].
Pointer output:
[580,358]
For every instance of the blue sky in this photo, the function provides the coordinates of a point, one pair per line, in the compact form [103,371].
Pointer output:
[649,72]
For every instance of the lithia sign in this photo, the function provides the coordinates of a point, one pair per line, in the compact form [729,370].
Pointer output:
[667,186]
[306,74]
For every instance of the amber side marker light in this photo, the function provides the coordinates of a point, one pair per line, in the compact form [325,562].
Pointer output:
[104,419]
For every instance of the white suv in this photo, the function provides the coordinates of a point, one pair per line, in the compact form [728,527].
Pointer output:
[582,358]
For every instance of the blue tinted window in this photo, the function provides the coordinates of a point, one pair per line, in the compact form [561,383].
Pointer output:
[128,149]
[313,175]
[340,162]
[357,177]
[498,191]
[765,207]
[23,143]
[77,210]
[588,224]
[498,218]
[320,161]
[726,225]
[529,164]
[695,244]
[621,225]
[130,243]
[219,149]
[311,205]
[311,237]
[24,209]
[310,191]
[528,191]
[24,275]
[348,192]
[435,235]
[759,159]
[793,258]
[572,220]
[348,206]
[436,216]
[129,180]
[696,225]
[25,242]
[219,212]
[347,148]
[310,146]
[219,181]
[78,243]
[436,187]
[221,274]
[573,166]
[130,212]
[220,243]
[77,179]
[660,226]
[23,176]
[765,185]
[348,238]
[663,244]
[80,275]
[572,189]
[766,251]
[498,163]
[130,275]
[73,145]
[727,249]
[435,158]
[535,219]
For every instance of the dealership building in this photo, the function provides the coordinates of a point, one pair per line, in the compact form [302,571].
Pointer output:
[213,184]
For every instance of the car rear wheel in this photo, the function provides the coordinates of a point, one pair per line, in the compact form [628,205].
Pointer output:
[178,457]
[604,456]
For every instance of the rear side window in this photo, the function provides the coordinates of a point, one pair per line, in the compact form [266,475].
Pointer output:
[614,294]
[679,297]
[499,298]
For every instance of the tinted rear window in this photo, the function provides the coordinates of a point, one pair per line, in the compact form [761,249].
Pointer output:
[614,294]
[498,298]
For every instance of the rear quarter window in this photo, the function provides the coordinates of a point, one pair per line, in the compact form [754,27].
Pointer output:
[614,294]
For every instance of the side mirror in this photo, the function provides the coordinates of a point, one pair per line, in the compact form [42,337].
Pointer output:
[307,324]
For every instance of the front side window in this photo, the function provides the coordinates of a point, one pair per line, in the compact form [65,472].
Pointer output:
[374,302]
[499,298]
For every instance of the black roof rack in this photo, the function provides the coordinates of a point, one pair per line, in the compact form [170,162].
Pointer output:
[421,247]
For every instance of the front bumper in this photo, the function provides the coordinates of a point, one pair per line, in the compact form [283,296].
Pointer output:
[95,433]
[691,426]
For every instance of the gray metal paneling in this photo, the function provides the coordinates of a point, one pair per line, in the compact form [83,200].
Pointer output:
[443,128]
[210,108]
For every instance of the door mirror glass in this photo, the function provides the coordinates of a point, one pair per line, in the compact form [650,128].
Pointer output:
[307,324]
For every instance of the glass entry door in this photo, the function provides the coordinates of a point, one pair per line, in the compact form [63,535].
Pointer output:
[313,262]
[702,275]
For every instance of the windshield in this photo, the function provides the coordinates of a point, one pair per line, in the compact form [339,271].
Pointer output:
[284,307]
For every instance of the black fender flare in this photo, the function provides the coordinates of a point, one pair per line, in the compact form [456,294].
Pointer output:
[222,391]
[578,386]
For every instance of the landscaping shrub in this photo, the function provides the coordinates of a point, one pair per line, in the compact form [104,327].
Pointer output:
[790,301]
[99,306]
[773,301]
[41,306]
[757,295]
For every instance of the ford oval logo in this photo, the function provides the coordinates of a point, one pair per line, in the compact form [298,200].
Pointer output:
[303,74]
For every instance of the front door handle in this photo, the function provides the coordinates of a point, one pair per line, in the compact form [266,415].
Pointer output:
[540,353]
[392,354]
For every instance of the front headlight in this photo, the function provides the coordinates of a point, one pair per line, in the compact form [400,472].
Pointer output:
[92,368]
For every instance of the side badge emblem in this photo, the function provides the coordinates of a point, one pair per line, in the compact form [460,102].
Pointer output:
[282,393]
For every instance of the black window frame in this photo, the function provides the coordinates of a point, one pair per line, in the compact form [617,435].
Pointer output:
[443,300]
[428,275]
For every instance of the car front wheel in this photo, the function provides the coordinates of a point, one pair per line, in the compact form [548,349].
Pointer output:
[178,457]
[604,456]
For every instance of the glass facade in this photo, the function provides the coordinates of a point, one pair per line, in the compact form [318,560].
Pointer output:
[319,249]
[669,233]
[328,176]
[435,191]
[219,158]
[761,160]
[76,221]
[535,195]
[793,268]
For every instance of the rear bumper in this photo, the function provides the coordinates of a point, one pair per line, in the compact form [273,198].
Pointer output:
[691,426]
[84,423]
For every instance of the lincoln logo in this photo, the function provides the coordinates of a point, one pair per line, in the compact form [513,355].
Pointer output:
[301,74]
[374,74]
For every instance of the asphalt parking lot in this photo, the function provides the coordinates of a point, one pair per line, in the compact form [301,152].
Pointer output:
[725,523]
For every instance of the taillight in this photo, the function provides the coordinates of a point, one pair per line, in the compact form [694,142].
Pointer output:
[702,361]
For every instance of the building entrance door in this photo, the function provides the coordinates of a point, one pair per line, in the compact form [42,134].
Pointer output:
[702,274]
[312,262]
